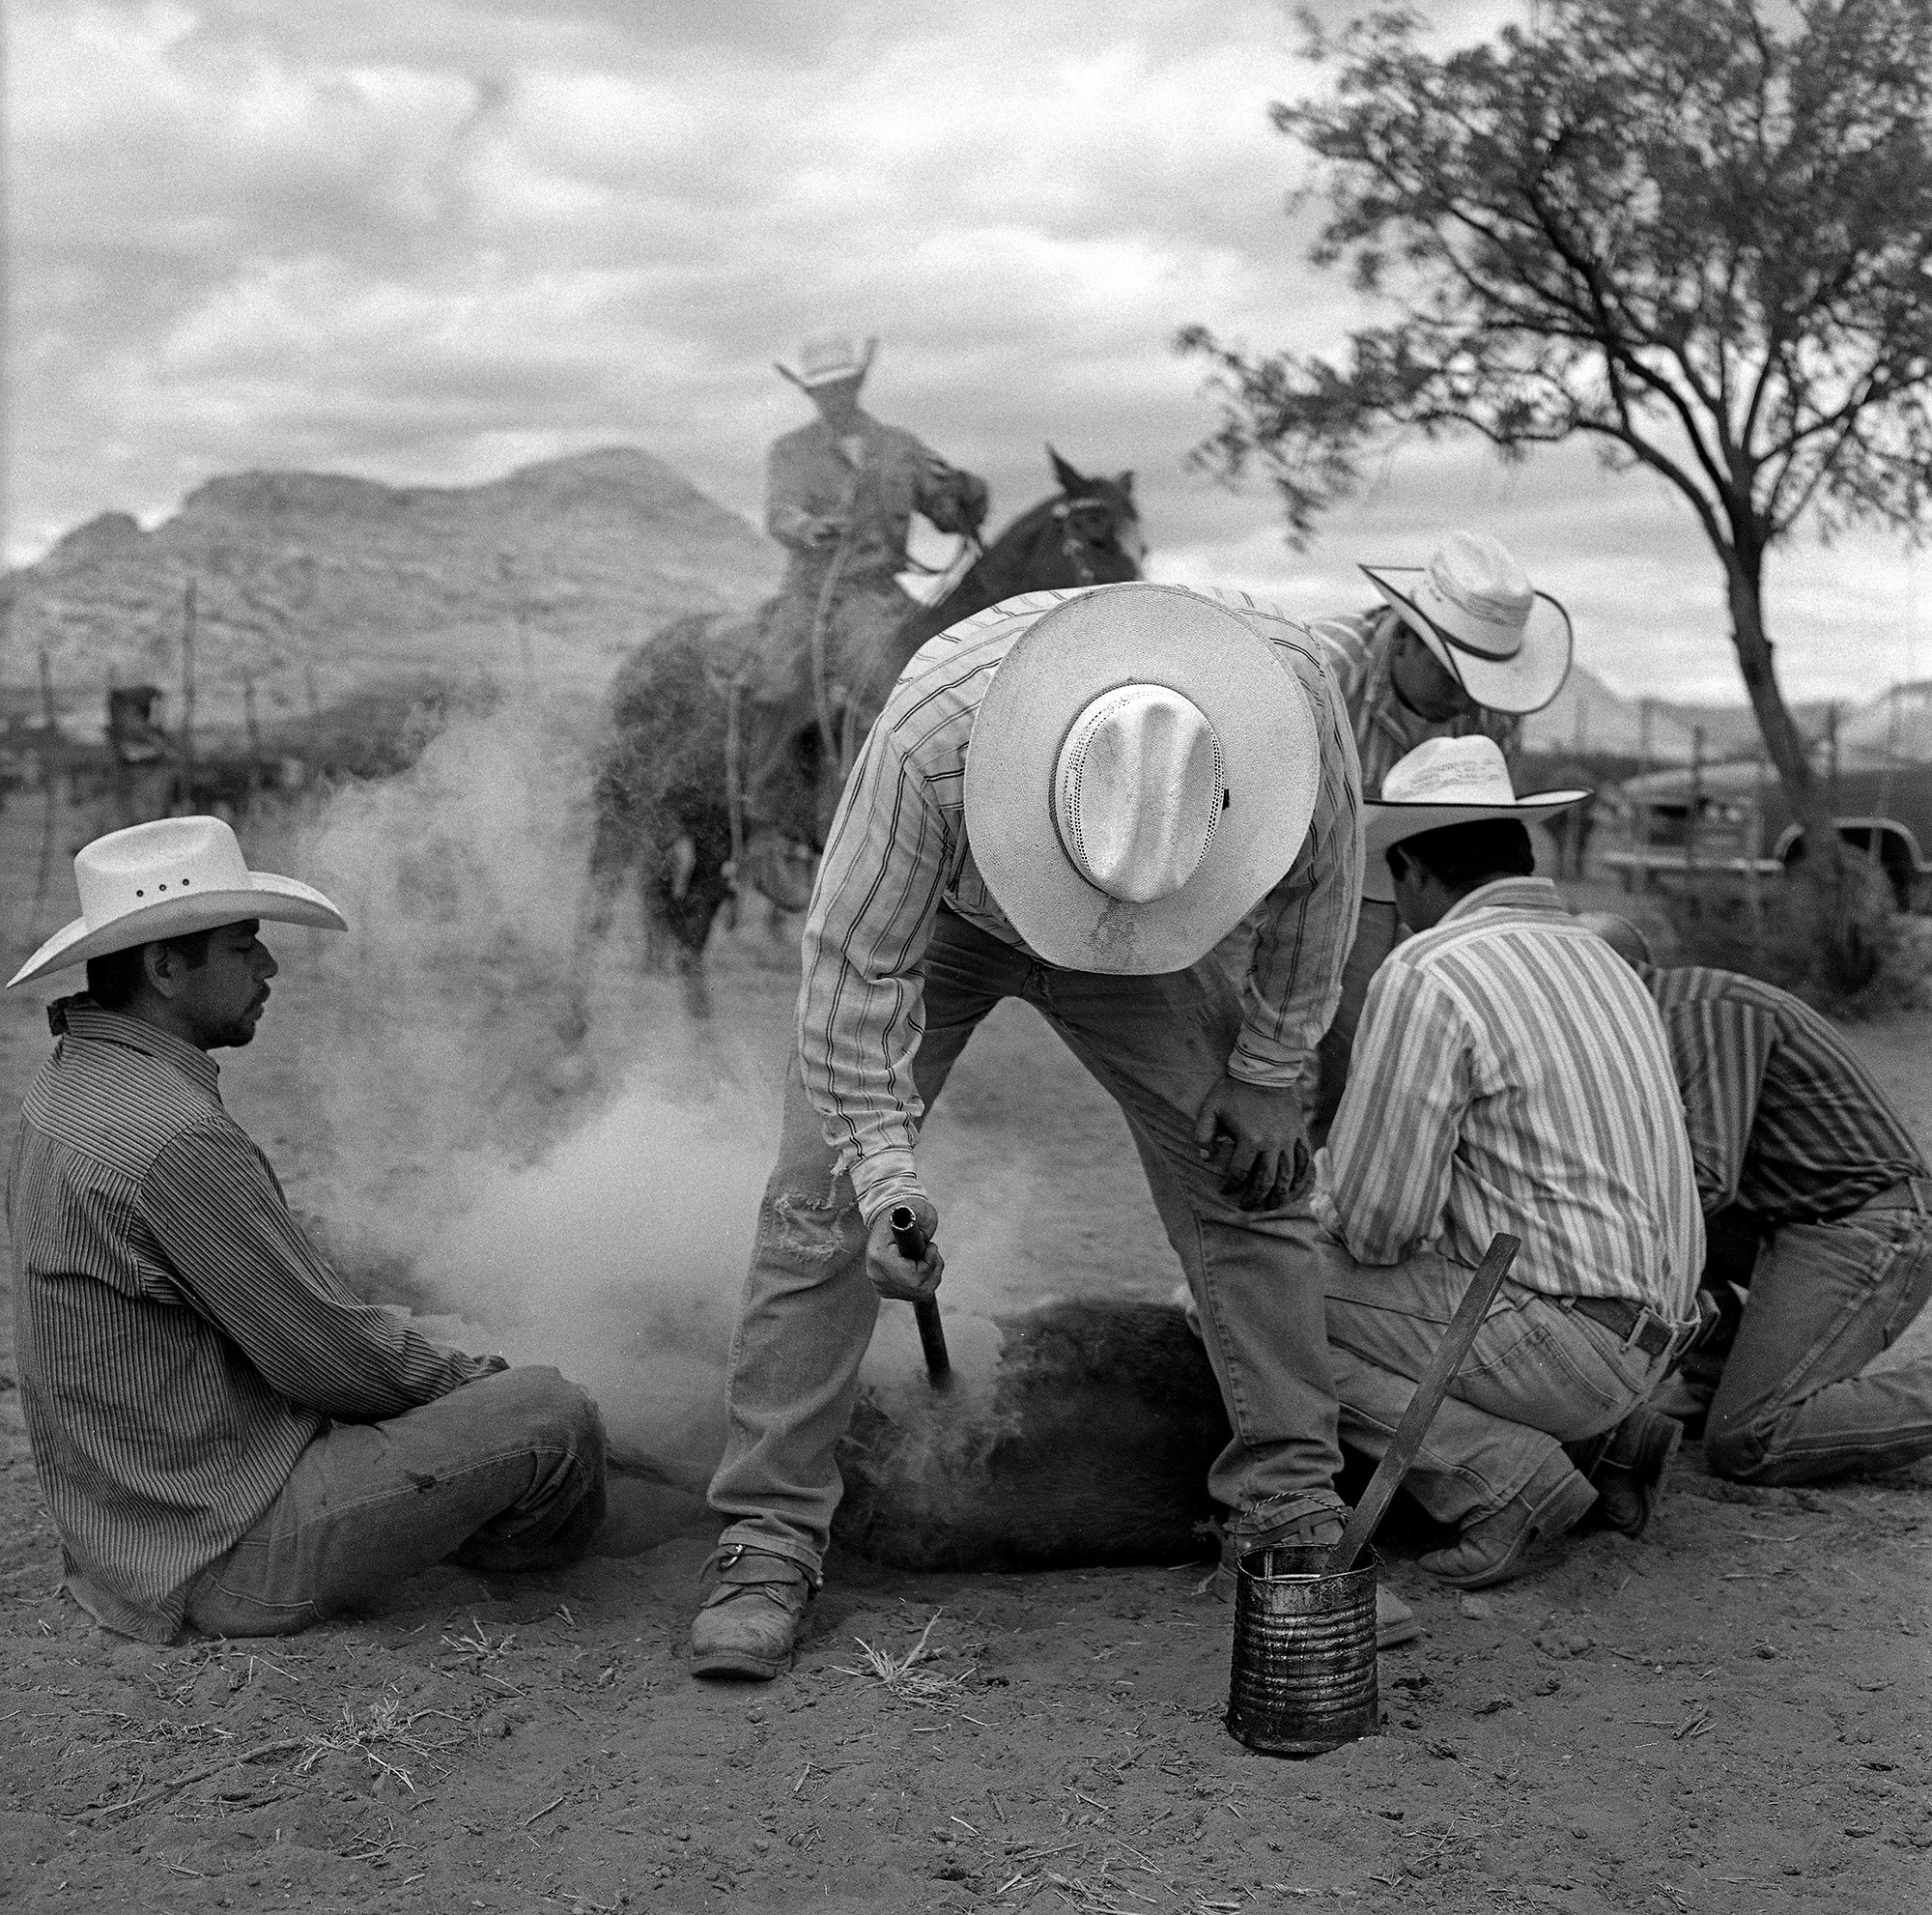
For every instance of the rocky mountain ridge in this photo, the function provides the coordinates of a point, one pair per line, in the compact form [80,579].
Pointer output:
[306,578]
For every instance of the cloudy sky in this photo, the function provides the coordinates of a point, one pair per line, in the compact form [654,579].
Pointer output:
[428,241]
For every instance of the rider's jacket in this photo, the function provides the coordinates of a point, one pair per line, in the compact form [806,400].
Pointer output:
[871,481]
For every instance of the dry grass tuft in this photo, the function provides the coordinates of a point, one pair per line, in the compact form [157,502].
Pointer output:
[905,1680]
[381,1732]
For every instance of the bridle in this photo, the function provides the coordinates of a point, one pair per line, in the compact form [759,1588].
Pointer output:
[1074,549]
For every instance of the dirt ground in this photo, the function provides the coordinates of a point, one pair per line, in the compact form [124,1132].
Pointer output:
[1728,1716]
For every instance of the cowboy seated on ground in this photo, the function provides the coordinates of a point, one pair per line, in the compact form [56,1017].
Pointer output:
[228,1440]
[1805,1157]
[1507,1078]
[839,497]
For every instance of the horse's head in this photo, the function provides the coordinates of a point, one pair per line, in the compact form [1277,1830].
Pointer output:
[1101,529]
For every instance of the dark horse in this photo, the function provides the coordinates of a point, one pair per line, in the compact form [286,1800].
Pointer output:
[664,812]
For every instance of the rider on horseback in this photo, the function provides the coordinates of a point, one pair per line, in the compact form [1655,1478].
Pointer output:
[840,495]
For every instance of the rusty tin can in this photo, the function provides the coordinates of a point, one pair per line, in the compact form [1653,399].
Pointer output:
[1303,1679]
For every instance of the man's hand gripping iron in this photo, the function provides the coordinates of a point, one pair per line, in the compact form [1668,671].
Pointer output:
[902,1263]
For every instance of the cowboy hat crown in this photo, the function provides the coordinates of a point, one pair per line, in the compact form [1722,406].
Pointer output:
[1444,782]
[829,358]
[1142,771]
[1506,643]
[165,879]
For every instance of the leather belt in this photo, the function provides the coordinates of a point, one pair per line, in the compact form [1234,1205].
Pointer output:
[1635,1322]
[1908,1194]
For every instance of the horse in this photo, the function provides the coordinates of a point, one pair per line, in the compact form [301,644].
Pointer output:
[667,766]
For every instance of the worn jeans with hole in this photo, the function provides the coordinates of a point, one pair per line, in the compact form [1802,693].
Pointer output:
[1538,1375]
[502,1474]
[1159,1046]
[1797,1403]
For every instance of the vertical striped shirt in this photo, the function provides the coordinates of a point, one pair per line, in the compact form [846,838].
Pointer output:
[898,847]
[1511,1073]
[179,1343]
[1360,652]
[1783,1119]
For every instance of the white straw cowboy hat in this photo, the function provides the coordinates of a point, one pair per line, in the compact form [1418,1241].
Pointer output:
[165,879]
[825,361]
[1142,771]
[1444,782]
[1506,644]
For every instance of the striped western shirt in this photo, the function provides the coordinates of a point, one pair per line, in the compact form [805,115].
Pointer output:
[1783,1119]
[897,846]
[1511,1073]
[1360,652]
[178,1342]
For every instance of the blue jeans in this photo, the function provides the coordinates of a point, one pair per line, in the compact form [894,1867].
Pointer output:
[1158,1045]
[1538,1375]
[502,1474]
[1826,1298]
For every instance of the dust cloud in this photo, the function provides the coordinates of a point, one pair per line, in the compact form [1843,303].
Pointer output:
[572,1179]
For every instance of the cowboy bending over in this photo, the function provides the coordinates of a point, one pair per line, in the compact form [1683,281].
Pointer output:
[1802,1154]
[840,495]
[226,1438]
[1145,764]
[1510,1074]
[1461,648]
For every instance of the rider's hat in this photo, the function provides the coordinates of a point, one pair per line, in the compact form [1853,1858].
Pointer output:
[1472,605]
[1142,771]
[825,361]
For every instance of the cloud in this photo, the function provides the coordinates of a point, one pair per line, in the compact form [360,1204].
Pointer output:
[424,243]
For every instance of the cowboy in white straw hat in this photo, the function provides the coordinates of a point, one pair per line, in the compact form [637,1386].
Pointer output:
[1461,647]
[1145,763]
[840,495]
[228,1441]
[1507,1077]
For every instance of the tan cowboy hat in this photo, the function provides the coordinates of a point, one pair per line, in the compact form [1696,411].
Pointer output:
[165,879]
[1507,645]
[1142,771]
[826,361]
[1444,782]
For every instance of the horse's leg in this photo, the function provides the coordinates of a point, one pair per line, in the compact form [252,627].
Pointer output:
[613,849]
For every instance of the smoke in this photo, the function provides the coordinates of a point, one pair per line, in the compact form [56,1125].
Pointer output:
[570,1176]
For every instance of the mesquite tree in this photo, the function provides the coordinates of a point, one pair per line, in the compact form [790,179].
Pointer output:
[1699,235]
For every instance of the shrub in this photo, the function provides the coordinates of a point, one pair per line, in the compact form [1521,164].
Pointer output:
[1847,952]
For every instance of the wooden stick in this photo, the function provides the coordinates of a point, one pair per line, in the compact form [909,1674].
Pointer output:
[1427,1400]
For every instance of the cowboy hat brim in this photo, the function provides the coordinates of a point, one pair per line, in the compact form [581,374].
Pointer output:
[1122,635]
[1384,825]
[1525,683]
[279,900]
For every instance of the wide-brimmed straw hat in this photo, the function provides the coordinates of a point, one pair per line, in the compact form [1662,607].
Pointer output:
[825,361]
[1472,605]
[1444,782]
[165,879]
[1142,771]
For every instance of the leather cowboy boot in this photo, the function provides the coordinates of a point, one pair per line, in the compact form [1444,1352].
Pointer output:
[1496,1547]
[1628,1468]
[748,1621]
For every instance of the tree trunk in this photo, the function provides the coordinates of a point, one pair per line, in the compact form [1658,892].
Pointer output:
[1822,867]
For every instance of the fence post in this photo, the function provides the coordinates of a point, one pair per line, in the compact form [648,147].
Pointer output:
[1642,819]
[53,756]
[1693,815]
[186,779]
